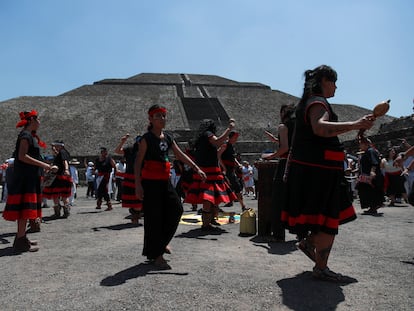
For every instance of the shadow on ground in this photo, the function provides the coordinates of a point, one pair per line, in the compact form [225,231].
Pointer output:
[201,234]
[118,227]
[136,271]
[303,293]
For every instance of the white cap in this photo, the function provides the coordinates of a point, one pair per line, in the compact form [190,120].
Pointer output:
[10,161]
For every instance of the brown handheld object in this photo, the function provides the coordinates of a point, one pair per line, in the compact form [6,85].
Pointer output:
[378,111]
[381,108]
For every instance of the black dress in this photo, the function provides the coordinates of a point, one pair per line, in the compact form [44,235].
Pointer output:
[317,199]
[24,197]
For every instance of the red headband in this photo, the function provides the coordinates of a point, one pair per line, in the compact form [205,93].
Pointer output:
[157,110]
[25,116]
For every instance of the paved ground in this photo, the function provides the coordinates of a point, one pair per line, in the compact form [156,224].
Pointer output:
[92,261]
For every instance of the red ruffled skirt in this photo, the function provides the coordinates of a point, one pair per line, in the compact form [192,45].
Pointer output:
[215,189]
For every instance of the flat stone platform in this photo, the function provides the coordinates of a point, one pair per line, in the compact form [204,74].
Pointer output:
[93,261]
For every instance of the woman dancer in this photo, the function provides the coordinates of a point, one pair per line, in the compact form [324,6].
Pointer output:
[61,187]
[129,199]
[162,206]
[317,200]
[393,178]
[228,158]
[370,181]
[24,198]
[215,189]
[285,133]
[104,165]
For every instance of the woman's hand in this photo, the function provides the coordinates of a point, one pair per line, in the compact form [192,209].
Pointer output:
[232,124]
[365,123]
[139,191]
[124,138]
[266,156]
[202,175]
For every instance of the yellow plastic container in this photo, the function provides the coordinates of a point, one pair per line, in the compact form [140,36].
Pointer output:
[248,222]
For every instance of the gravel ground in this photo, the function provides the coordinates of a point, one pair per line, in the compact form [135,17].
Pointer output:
[92,261]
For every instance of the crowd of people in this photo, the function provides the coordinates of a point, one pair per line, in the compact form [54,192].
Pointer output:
[313,188]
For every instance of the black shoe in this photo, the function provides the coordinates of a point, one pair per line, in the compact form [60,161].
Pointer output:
[209,228]
[215,222]
[66,212]
[230,204]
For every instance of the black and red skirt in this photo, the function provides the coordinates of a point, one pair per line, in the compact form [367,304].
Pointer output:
[214,189]
[317,200]
[129,199]
[24,199]
[60,188]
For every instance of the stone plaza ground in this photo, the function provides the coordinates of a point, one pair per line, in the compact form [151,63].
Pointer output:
[93,261]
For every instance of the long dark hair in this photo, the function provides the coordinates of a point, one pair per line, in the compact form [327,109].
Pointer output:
[287,112]
[313,80]
[205,125]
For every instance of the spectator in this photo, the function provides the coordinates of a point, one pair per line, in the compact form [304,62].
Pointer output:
[90,179]
[119,178]
[75,180]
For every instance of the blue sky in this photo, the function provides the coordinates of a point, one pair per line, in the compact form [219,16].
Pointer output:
[49,47]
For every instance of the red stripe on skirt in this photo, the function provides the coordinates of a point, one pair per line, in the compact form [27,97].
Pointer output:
[215,189]
[29,198]
[320,220]
[348,213]
[24,214]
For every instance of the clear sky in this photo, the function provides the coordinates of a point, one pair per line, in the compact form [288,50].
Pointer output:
[48,47]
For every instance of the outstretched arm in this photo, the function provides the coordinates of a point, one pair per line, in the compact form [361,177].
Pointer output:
[119,149]
[321,126]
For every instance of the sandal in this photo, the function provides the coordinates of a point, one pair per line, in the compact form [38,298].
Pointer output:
[330,276]
[215,222]
[161,264]
[308,249]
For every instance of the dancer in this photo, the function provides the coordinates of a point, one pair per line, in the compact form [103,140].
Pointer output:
[162,206]
[227,154]
[317,200]
[128,198]
[393,178]
[104,165]
[370,181]
[285,133]
[24,198]
[61,187]
[215,189]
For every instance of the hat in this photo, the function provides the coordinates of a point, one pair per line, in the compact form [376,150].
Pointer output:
[25,116]
[58,143]
[90,164]
[74,161]
[10,161]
